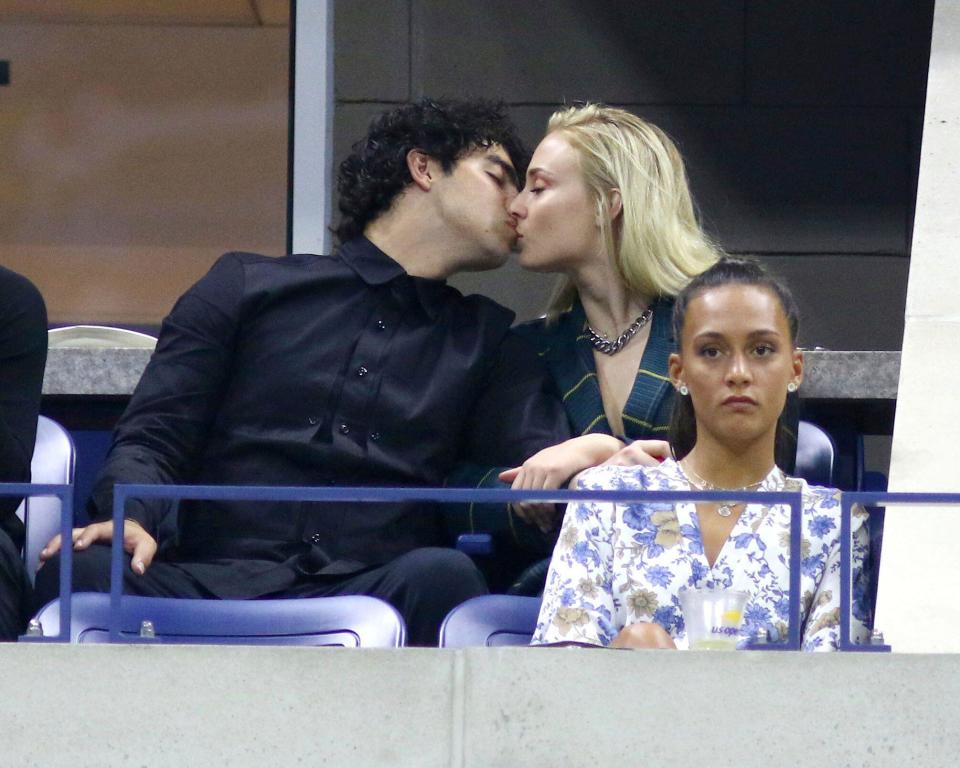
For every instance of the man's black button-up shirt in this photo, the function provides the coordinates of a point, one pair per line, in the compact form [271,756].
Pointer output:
[309,370]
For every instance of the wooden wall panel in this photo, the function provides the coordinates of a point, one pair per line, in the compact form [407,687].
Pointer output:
[133,156]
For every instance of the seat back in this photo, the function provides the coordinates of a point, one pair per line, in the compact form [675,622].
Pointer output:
[351,621]
[491,620]
[815,455]
[54,461]
[98,337]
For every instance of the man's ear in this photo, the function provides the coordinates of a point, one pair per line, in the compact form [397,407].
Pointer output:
[419,163]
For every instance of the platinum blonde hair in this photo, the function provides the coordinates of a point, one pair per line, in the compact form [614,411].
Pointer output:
[656,243]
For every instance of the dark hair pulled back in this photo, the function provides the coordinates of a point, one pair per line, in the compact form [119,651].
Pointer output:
[728,271]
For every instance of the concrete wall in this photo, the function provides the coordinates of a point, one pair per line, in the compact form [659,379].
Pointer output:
[79,706]
[920,569]
[800,122]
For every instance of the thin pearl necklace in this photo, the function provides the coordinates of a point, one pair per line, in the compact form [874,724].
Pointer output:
[726,508]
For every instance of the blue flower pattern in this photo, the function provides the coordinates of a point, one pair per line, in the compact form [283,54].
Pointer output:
[617,564]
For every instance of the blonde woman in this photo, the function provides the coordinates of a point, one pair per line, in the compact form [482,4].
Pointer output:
[607,206]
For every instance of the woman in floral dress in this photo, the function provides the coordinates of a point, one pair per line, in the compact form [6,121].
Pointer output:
[617,569]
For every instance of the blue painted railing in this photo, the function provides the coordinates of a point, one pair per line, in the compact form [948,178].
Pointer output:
[450,495]
[124,492]
[65,494]
[870,499]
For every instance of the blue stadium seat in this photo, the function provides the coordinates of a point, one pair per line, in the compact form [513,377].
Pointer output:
[815,455]
[347,621]
[54,462]
[491,620]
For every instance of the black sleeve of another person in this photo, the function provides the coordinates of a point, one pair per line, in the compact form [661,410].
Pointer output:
[23,356]
[520,411]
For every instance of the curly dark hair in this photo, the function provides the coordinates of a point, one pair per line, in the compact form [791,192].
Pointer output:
[376,169]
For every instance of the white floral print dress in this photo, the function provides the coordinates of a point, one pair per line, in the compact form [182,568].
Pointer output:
[617,564]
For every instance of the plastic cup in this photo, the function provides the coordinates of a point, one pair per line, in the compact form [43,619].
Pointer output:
[713,617]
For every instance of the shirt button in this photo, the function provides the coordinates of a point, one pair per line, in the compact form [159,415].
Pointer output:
[362,371]
[313,420]
[374,436]
[344,429]
[381,326]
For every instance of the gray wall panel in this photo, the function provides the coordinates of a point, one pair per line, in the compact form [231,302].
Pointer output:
[829,52]
[847,302]
[350,123]
[372,50]
[647,51]
[800,122]
[787,180]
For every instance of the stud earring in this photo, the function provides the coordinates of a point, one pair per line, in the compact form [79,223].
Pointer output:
[682,389]
[792,386]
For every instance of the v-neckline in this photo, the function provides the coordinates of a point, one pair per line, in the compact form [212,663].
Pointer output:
[738,528]
[645,391]
[748,522]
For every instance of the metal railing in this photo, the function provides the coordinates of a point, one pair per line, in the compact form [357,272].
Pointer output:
[65,494]
[355,495]
[869,499]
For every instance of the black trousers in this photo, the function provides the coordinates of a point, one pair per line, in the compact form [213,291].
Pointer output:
[423,585]
[15,591]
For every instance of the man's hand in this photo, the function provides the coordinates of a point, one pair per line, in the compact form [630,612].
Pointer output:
[646,453]
[553,468]
[139,544]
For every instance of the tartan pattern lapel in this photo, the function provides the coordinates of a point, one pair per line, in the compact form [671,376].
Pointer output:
[570,358]
[568,354]
[641,414]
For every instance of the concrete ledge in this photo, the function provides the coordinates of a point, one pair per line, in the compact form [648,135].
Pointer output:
[253,706]
[829,375]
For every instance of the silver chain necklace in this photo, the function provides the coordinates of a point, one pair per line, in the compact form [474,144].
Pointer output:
[602,344]
[726,508]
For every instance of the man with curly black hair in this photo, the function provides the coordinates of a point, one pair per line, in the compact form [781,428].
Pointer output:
[358,368]
[377,171]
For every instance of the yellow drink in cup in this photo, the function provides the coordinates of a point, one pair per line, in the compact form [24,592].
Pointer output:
[713,617]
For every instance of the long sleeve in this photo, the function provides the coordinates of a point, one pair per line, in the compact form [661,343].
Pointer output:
[495,519]
[518,411]
[822,626]
[23,356]
[578,602]
[163,430]
[518,414]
